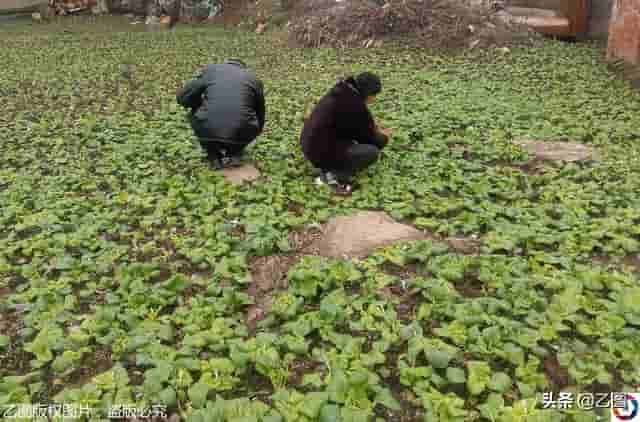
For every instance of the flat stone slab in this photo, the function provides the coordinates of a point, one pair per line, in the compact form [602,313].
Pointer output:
[361,234]
[239,175]
[558,151]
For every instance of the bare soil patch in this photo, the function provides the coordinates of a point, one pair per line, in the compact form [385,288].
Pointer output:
[558,151]
[405,272]
[4,291]
[630,262]
[269,275]
[14,360]
[305,242]
[300,368]
[633,262]
[405,299]
[408,306]
[470,289]
[410,412]
[463,149]
[295,208]
[344,238]
[259,310]
[531,167]
[534,166]
[98,362]
[259,385]
[464,245]
[558,377]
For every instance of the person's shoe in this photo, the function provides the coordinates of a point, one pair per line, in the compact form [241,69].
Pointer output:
[215,162]
[232,161]
[327,178]
[344,189]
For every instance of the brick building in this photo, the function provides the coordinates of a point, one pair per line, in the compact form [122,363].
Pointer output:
[624,31]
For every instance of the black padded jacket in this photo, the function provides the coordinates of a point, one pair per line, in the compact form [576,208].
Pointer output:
[227,103]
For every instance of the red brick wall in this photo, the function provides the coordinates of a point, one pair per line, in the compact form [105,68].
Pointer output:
[624,31]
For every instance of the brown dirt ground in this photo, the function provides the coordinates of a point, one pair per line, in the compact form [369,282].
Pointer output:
[631,262]
[270,273]
[269,276]
[15,360]
[4,291]
[300,368]
[463,245]
[407,301]
[93,365]
[557,376]
[461,148]
[468,289]
[409,412]
[305,242]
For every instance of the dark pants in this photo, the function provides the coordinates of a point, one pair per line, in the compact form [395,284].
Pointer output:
[215,147]
[357,158]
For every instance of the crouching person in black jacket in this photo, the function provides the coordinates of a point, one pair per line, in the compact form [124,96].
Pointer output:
[340,136]
[227,110]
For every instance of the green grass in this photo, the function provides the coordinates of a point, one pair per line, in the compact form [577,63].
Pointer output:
[124,260]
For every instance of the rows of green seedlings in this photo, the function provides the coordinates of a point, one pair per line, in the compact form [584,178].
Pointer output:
[124,259]
[339,346]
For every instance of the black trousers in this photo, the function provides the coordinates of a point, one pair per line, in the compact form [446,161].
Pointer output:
[358,157]
[214,147]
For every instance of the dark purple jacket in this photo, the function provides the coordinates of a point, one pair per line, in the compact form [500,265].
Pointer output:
[340,118]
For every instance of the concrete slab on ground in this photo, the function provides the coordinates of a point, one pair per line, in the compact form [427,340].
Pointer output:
[558,151]
[360,234]
[239,175]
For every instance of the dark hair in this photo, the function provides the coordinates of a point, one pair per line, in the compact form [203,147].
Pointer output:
[237,61]
[368,84]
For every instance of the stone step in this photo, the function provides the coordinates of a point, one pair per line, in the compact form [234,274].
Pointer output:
[239,175]
[538,4]
[571,17]
[530,11]
[360,234]
[548,22]
[550,25]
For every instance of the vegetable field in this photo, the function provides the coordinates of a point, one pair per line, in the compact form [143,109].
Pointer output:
[128,266]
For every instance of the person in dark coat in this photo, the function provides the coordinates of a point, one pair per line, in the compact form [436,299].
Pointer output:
[227,110]
[340,136]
